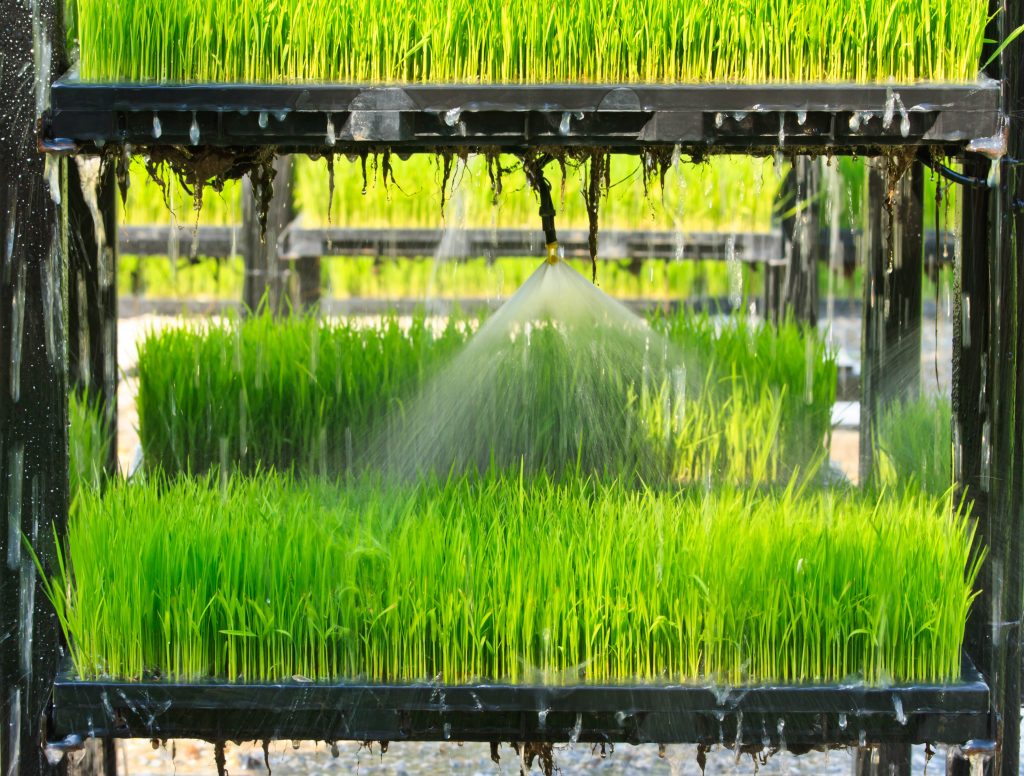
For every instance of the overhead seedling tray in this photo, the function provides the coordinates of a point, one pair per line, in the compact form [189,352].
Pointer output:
[319,118]
[797,717]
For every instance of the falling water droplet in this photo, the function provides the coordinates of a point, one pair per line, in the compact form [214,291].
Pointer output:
[993,174]
[193,132]
[15,478]
[263,119]
[842,721]
[331,138]
[453,116]
[17,329]
[735,273]
[563,125]
[158,129]
[782,129]
[52,169]
[574,736]
[897,704]
[718,120]
[801,117]
[890,109]
[855,119]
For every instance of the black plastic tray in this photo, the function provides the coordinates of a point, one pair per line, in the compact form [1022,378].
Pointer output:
[347,118]
[794,716]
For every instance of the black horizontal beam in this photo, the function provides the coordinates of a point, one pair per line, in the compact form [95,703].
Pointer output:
[387,243]
[701,118]
[795,716]
[761,247]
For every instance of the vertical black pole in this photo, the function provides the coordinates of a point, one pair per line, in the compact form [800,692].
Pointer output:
[890,342]
[791,290]
[92,291]
[988,400]
[306,294]
[266,275]
[891,311]
[33,378]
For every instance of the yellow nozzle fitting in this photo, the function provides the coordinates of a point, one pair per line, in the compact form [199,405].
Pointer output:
[552,253]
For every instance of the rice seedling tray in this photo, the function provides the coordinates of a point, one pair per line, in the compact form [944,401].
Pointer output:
[318,118]
[797,717]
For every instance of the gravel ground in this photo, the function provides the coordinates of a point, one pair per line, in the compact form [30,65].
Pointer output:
[190,758]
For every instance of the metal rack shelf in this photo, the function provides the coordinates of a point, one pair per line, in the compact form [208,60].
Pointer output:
[345,118]
[795,716]
[386,243]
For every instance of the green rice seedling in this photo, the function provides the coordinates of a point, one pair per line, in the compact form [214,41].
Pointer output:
[88,442]
[914,445]
[725,193]
[516,41]
[275,393]
[508,579]
[747,403]
[425,280]
[787,373]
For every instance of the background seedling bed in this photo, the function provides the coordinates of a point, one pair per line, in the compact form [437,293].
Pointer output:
[799,717]
[752,118]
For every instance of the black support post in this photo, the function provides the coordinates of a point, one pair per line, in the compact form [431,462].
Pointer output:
[791,290]
[92,290]
[988,399]
[890,342]
[891,312]
[266,275]
[33,378]
[306,289]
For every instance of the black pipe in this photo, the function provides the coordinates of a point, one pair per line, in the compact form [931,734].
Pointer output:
[949,174]
[535,174]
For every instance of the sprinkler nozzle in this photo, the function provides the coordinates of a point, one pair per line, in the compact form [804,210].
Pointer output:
[535,174]
[552,253]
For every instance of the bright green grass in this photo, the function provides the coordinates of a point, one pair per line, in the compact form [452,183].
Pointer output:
[526,41]
[424,280]
[728,193]
[264,392]
[306,394]
[914,444]
[87,444]
[513,580]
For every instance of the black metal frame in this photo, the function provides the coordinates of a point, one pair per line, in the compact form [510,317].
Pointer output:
[759,119]
[324,118]
[797,717]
